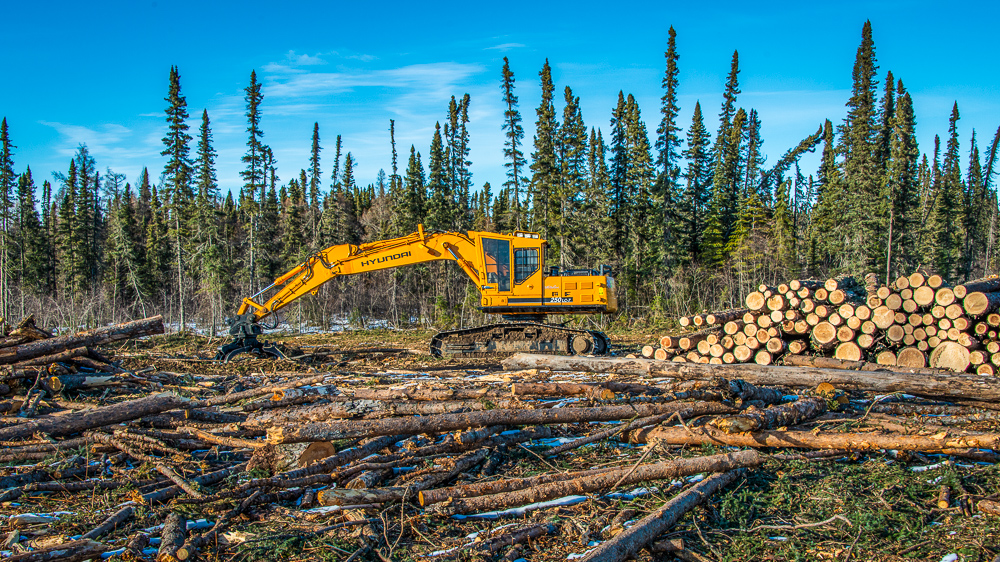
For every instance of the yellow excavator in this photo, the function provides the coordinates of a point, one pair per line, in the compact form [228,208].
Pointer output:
[508,269]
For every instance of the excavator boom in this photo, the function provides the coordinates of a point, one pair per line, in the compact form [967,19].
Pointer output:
[506,268]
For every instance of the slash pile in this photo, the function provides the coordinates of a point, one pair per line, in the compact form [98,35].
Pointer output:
[917,321]
[453,462]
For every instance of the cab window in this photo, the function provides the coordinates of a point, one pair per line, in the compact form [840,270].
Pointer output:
[496,254]
[525,263]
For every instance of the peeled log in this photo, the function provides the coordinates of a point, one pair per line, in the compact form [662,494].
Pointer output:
[978,303]
[99,336]
[624,545]
[950,355]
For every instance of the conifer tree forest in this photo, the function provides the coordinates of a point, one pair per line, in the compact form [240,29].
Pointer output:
[681,201]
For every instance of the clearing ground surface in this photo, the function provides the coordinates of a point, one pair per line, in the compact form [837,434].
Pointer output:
[797,505]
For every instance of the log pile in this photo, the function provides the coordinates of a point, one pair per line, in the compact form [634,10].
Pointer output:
[406,464]
[918,321]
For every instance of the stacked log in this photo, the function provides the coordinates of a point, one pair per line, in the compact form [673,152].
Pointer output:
[916,321]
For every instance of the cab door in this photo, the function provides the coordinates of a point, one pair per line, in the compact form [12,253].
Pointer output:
[496,256]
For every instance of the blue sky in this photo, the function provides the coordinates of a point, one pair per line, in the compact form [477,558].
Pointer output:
[97,73]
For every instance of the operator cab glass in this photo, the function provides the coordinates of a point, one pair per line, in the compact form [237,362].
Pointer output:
[497,259]
[525,263]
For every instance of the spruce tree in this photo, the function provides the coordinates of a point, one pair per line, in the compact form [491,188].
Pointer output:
[254,175]
[212,266]
[977,210]
[315,181]
[440,201]
[8,183]
[513,137]
[618,204]
[668,139]
[902,191]
[177,182]
[572,146]
[947,217]
[859,145]
[413,206]
[30,240]
[544,165]
[693,205]
[639,180]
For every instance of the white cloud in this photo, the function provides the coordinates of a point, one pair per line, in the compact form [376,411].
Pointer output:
[109,135]
[504,47]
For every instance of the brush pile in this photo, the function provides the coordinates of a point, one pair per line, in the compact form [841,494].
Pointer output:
[916,322]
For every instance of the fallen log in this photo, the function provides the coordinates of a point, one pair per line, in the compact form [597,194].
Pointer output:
[328,431]
[562,389]
[449,469]
[99,336]
[922,383]
[755,419]
[496,544]
[478,489]
[832,363]
[172,538]
[110,523]
[627,543]
[422,393]
[64,355]
[254,392]
[666,470]
[371,408]
[71,551]
[78,422]
[821,440]
[605,434]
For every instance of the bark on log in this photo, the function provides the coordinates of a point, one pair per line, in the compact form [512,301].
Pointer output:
[72,551]
[666,470]
[97,417]
[755,419]
[110,523]
[607,433]
[421,393]
[630,541]
[254,392]
[172,538]
[815,440]
[328,431]
[64,355]
[451,468]
[347,409]
[920,382]
[99,336]
[985,285]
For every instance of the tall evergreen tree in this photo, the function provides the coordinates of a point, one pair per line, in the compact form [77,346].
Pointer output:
[859,145]
[572,153]
[315,181]
[513,137]
[666,193]
[177,181]
[8,183]
[947,217]
[902,191]
[440,200]
[693,205]
[544,165]
[254,175]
